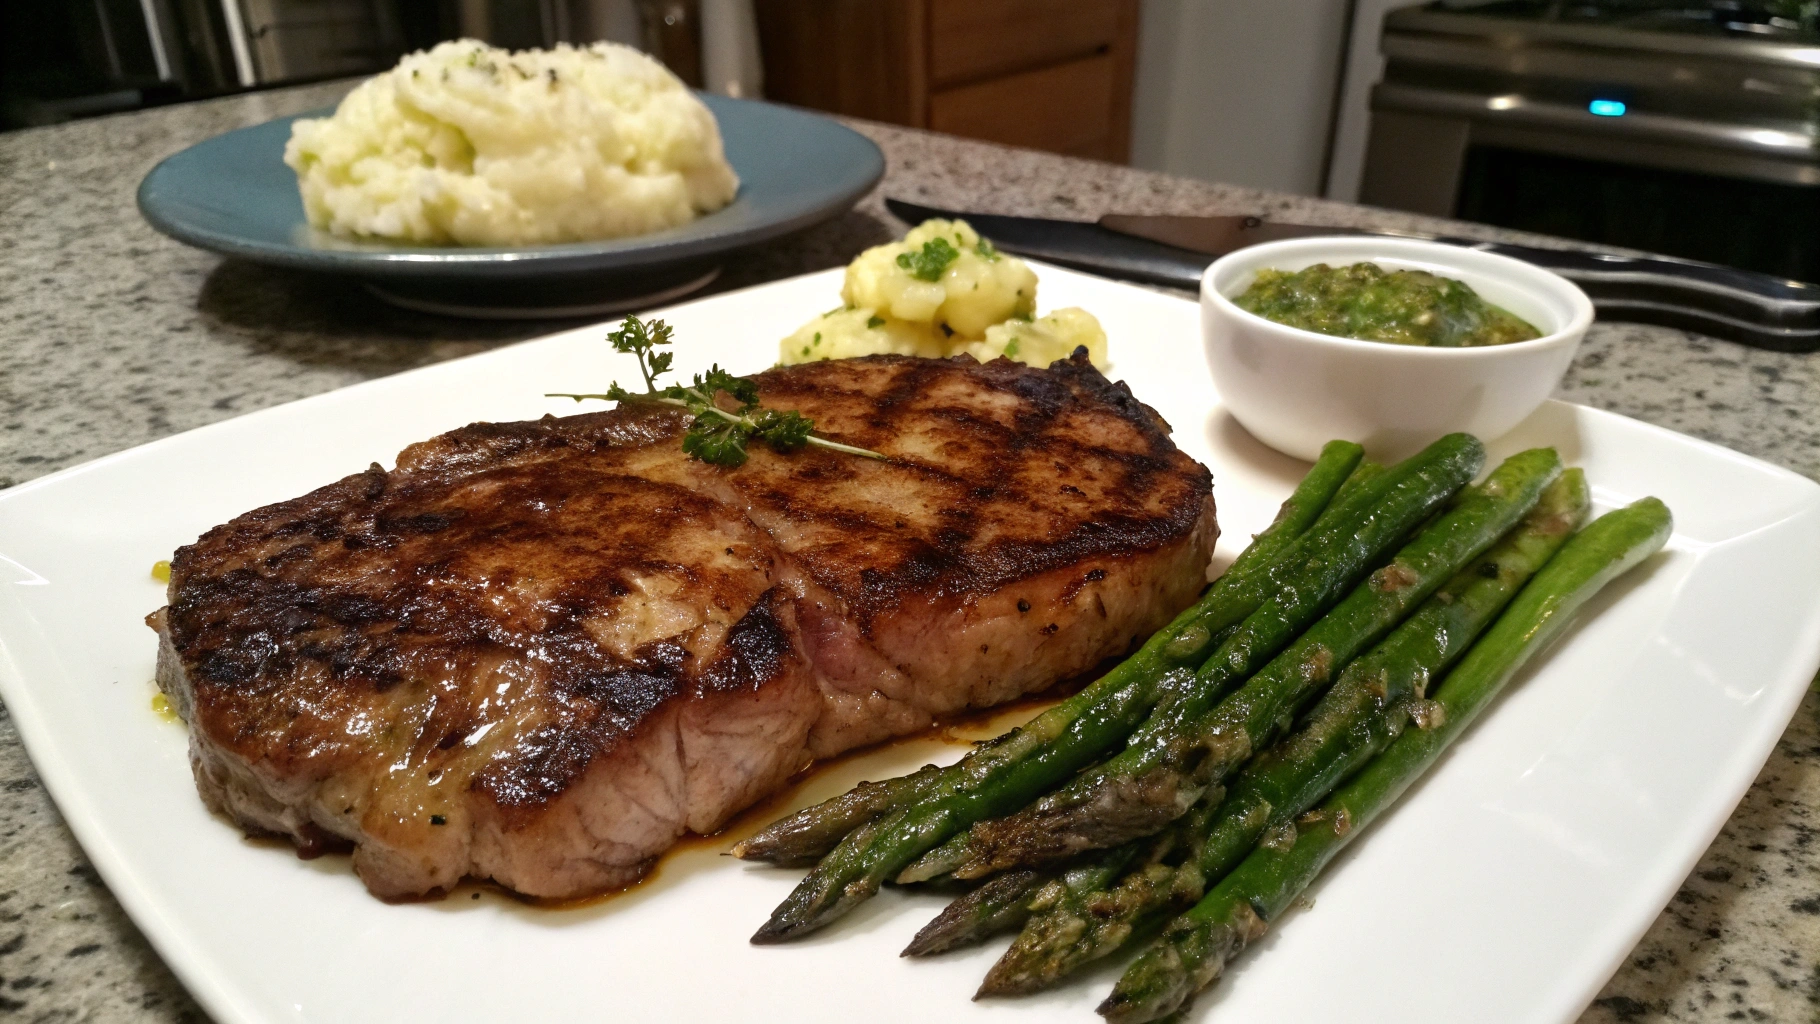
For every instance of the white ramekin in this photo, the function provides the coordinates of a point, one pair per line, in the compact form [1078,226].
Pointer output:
[1295,390]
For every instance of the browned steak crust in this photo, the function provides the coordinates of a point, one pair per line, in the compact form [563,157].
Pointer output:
[539,652]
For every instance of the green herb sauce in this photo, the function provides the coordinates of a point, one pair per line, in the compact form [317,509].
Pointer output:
[1364,301]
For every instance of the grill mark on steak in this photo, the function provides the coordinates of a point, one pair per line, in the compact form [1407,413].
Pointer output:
[756,648]
[986,449]
[540,651]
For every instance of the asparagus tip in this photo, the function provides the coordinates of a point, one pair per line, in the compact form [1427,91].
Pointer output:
[933,939]
[1156,985]
[781,929]
[786,925]
[771,933]
[939,861]
[816,902]
[1119,1008]
[1002,982]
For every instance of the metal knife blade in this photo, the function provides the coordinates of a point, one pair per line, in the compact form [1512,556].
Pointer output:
[1723,302]
[1074,243]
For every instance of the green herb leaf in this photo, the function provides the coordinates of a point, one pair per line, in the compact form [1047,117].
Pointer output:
[928,264]
[637,338]
[716,379]
[875,322]
[986,250]
[716,441]
[717,435]
[784,431]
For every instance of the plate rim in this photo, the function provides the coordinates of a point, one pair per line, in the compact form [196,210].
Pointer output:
[233,1002]
[627,253]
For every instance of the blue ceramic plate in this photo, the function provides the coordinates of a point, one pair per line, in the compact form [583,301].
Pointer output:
[234,195]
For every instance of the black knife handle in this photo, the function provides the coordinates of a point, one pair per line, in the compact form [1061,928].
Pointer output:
[1081,245]
[1724,302]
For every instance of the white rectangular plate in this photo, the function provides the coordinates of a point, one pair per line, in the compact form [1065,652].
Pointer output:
[1508,886]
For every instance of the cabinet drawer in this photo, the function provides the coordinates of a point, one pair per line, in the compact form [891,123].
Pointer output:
[974,39]
[1065,109]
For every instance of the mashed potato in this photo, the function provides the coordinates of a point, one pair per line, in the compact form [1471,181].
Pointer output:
[943,291]
[472,145]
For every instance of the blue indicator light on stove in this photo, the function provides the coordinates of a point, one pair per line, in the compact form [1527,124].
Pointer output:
[1606,108]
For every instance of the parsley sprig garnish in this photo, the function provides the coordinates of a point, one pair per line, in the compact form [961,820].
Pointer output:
[718,435]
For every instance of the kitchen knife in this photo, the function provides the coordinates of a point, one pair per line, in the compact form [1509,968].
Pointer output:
[1737,305]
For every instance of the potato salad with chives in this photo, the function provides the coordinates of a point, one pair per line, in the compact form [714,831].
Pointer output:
[943,291]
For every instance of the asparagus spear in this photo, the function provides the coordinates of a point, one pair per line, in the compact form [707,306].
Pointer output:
[1064,739]
[1335,473]
[1359,716]
[803,837]
[998,906]
[987,910]
[1195,947]
[1366,472]
[1083,915]
[1193,743]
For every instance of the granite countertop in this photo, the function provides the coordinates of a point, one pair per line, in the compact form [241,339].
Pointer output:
[114,336]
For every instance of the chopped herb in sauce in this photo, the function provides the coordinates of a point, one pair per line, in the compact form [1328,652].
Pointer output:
[1364,301]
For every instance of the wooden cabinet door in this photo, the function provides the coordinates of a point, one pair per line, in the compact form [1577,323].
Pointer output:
[1047,74]
[1066,108]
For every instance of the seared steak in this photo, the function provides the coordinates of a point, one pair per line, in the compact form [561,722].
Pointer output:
[540,652]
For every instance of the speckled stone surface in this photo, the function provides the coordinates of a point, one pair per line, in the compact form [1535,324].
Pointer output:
[111,336]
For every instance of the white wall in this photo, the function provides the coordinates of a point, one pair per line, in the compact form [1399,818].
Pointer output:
[1240,91]
[1364,67]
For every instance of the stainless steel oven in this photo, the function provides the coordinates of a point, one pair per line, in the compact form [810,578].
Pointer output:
[1691,128]
[73,58]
